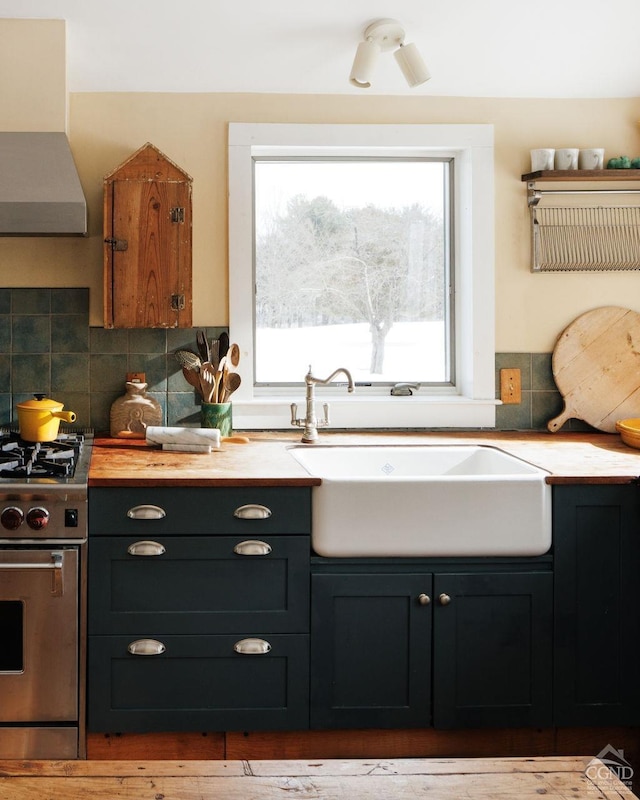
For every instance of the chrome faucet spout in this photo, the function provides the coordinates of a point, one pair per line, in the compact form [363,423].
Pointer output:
[310,421]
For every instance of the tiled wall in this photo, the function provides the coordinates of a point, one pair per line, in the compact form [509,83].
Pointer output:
[46,345]
[541,400]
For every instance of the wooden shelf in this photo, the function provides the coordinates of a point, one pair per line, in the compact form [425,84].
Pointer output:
[583,175]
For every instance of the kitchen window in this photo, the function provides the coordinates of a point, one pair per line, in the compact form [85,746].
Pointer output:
[367,247]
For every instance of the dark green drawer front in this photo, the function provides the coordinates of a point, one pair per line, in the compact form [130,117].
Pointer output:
[198,585]
[198,683]
[199,511]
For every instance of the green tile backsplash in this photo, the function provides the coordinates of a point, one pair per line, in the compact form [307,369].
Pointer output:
[46,345]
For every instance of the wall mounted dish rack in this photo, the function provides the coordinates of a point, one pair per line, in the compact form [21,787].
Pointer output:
[587,237]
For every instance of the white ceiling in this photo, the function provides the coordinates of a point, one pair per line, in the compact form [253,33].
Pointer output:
[495,48]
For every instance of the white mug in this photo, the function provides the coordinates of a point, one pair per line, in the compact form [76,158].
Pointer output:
[567,158]
[542,159]
[592,158]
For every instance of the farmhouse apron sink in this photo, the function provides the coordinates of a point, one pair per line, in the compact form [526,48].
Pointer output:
[426,500]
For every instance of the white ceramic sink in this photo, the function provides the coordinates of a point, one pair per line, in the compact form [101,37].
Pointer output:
[426,500]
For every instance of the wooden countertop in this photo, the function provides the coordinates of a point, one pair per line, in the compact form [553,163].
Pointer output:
[264,461]
[580,778]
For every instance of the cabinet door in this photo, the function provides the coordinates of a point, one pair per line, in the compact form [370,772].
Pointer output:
[492,649]
[371,651]
[198,584]
[151,270]
[597,605]
[199,683]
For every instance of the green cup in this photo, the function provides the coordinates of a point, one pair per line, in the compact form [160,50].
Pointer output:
[216,415]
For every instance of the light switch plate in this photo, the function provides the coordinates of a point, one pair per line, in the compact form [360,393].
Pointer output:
[510,386]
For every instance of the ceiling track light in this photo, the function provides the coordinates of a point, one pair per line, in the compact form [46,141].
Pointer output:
[380,37]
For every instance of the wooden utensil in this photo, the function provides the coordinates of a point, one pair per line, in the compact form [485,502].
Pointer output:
[208,382]
[192,377]
[232,381]
[596,366]
[233,355]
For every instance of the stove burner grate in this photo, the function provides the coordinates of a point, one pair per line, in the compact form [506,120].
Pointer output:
[21,459]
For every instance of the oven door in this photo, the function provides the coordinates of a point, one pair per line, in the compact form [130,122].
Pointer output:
[39,635]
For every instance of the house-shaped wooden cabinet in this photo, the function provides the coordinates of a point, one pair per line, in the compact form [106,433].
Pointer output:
[147,243]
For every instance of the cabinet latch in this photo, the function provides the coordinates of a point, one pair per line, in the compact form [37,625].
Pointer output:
[177,214]
[177,302]
[117,244]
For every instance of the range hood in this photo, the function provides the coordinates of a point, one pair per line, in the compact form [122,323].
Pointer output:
[40,192]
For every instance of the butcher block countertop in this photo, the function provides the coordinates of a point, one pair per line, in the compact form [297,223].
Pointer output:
[579,778]
[264,460]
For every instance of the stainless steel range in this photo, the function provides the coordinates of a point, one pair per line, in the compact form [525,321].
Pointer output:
[43,535]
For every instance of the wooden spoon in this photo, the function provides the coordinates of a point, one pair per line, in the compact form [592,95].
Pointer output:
[233,354]
[231,382]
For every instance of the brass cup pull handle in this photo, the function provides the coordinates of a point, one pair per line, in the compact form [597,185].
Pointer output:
[146,511]
[424,599]
[146,548]
[252,647]
[146,647]
[444,599]
[252,547]
[252,511]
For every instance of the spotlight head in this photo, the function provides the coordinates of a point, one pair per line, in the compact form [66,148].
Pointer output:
[412,65]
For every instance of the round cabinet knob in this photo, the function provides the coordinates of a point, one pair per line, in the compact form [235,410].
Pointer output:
[444,599]
[424,599]
[11,518]
[37,518]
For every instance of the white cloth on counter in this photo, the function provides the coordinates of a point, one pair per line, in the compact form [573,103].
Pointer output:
[204,437]
[187,448]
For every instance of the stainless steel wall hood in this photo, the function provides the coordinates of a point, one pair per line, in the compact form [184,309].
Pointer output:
[40,192]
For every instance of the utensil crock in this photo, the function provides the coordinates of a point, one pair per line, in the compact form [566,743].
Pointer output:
[39,419]
[217,415]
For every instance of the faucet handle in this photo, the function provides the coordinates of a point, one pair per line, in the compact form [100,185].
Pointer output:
[323,423]
[294,415]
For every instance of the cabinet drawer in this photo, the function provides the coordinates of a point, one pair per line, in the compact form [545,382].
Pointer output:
[198,683]
[198,585]
[199,511]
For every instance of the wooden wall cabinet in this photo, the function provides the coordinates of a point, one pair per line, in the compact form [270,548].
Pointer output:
[147,243]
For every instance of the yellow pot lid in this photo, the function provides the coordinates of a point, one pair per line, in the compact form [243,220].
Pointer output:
[40,402]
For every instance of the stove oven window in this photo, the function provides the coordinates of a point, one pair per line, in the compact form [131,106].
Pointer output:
[11,636]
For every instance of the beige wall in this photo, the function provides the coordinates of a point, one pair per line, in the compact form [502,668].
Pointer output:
[104,129]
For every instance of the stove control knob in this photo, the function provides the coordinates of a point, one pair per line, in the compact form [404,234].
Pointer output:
[12,518]
[37,518]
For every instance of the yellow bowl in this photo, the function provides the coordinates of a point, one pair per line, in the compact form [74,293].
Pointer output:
[629,430]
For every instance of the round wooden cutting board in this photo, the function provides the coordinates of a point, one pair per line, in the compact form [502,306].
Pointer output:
[596,366]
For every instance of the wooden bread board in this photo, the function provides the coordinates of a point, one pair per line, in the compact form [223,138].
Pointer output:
[596,367]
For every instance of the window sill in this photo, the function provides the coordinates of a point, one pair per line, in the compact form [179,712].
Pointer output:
[374,412]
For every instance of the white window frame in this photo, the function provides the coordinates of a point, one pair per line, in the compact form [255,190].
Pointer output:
[471,402]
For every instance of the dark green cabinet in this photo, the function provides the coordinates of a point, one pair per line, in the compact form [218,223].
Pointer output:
[371,651]
[198,615]
[597,604]
[492,651]
[486,634]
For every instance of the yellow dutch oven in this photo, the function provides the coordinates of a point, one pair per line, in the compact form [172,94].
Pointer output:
[39,419]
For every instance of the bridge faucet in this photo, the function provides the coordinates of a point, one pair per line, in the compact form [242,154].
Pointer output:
[311,423]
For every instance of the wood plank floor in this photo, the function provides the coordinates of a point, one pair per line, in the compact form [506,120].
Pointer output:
[560,778]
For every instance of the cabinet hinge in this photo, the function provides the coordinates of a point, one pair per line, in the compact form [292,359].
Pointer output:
[177,214]
[117,244]
[177,302]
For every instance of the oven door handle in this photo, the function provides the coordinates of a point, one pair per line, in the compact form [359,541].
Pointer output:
[57,585]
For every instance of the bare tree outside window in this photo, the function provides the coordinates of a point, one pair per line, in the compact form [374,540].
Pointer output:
[352,269]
